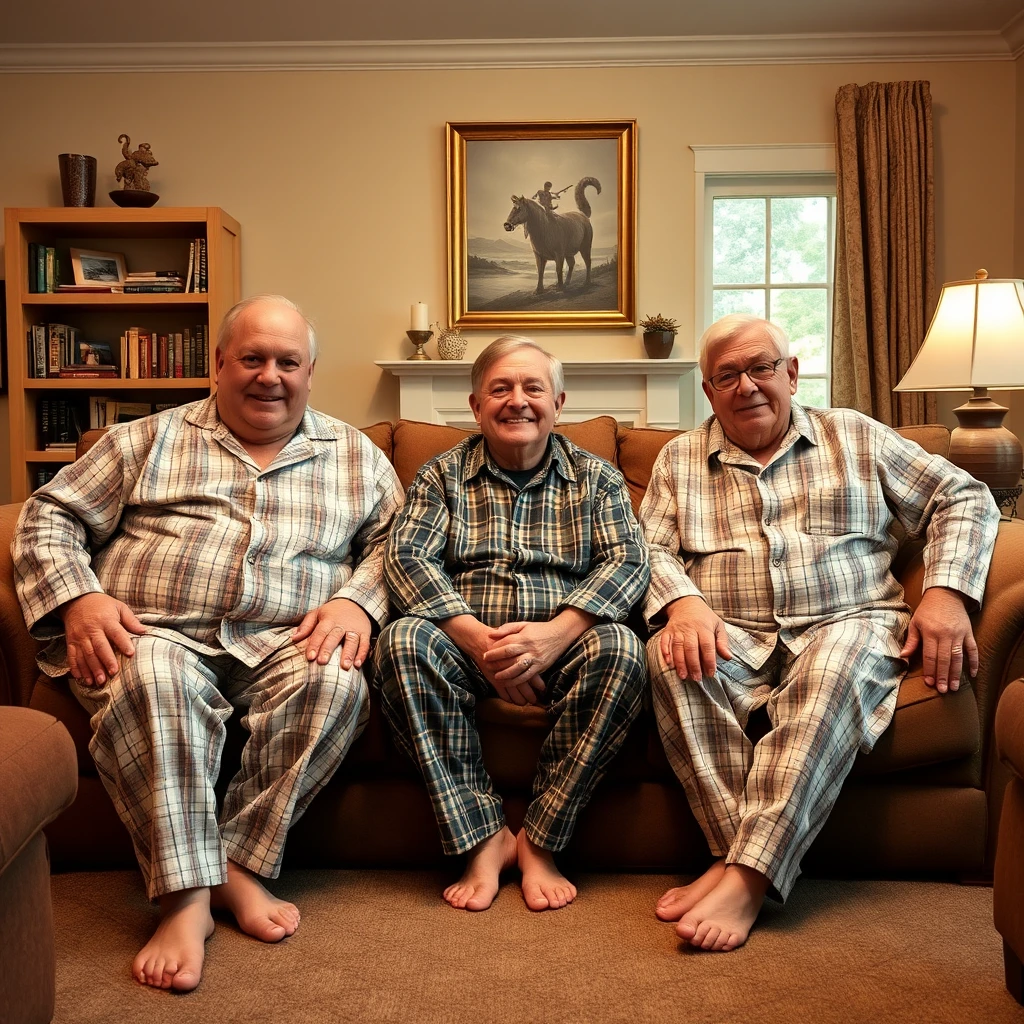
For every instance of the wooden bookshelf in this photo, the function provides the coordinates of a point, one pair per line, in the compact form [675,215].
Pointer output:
[150,239]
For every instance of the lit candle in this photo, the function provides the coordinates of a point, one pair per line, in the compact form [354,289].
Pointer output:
[418,315]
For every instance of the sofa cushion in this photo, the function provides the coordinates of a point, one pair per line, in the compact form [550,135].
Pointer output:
[638,448]
[597,436]
[382,435]
[932,437]
[416,443]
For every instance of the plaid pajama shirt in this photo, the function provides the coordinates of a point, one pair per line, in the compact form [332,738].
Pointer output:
[220,560]
[468,541]
[795,557]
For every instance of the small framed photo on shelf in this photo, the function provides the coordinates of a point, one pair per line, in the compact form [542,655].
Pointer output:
[97,268]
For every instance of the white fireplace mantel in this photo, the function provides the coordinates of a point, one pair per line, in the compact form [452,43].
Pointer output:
[640,392]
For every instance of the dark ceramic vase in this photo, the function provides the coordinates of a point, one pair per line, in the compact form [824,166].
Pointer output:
[659,343]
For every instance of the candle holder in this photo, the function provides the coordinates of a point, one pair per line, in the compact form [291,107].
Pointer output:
[419,339]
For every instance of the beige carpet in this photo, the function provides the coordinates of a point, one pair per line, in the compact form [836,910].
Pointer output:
[383,946]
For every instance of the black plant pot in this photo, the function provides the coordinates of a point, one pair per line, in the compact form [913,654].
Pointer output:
[659,343]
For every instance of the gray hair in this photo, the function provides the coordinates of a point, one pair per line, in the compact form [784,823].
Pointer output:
[731,326]
[503,346]
[226,331]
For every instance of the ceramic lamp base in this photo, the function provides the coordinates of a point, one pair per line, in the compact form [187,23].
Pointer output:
[983,446]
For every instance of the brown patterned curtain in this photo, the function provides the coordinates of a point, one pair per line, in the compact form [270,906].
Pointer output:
[885,247]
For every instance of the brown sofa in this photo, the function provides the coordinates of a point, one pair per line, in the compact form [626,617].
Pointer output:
[925,801]
[39,773]
[1008,884]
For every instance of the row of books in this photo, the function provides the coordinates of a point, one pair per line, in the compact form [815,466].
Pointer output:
[105,412]
[61,420]
[146,354]
[195,279]
[44,274]
[60,350]
[43,268]
[152,282]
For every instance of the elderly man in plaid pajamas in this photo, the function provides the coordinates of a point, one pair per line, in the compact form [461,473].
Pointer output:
[772,530]
[225,554]
[515,562]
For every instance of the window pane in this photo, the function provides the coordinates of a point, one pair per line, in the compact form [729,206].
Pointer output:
[739,230]
[736,300]
[799,239]
[801,313]
[812,392]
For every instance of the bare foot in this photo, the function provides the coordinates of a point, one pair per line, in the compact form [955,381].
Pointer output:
[723,919]
[684,898]
[544,886]
[173,957]
[258,912]
[478,886]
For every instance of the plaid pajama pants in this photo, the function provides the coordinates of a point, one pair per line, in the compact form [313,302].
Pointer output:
[158,732]
[429,690]
[762,804]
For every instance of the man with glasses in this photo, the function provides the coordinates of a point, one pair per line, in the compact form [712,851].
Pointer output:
[772,530]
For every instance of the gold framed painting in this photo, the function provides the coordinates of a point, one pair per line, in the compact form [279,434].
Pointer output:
[541,224]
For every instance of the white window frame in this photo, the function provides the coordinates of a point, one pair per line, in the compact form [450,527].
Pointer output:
[747,170]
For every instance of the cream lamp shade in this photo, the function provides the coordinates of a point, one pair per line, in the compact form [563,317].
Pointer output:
[976,342]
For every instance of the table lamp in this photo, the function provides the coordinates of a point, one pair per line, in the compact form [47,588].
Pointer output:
[976,342]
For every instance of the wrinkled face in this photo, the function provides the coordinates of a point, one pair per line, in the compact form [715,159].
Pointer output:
[264,375]
[755,416]
[516,408]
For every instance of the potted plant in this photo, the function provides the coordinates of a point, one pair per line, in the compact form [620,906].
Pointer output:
[659,335]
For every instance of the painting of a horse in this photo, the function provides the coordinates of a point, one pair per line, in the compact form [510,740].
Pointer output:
[556,236]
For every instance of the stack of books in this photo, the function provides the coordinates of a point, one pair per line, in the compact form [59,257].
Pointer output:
[140,282]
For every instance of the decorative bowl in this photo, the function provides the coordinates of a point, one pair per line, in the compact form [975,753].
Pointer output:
[133,197]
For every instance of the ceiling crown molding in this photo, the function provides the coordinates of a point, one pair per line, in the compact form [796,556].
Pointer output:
[1013,33]
[512,53]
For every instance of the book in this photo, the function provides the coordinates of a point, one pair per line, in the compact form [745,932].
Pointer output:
[90,287]
[151,289]
[88,370]
[134,275]
[179,355]
[39,350]
[53,349]
[133,353]
[191,263]
[40,268]
[202,264]
[51,269]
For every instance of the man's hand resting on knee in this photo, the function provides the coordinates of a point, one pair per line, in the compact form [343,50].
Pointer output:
[692,637]
[338,623]
[95,626]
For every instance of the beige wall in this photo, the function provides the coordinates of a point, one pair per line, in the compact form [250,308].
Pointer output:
[338,177]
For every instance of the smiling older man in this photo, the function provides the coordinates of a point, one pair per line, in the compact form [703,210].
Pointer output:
[515,562]
[212,557]
[772,530]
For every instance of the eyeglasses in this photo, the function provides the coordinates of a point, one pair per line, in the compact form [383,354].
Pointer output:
[729,380]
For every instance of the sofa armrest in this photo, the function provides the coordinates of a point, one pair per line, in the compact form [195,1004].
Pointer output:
[38,759]
[1010,728]
[17,648]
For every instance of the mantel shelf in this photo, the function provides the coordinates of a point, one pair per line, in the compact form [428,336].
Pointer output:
[642,392]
